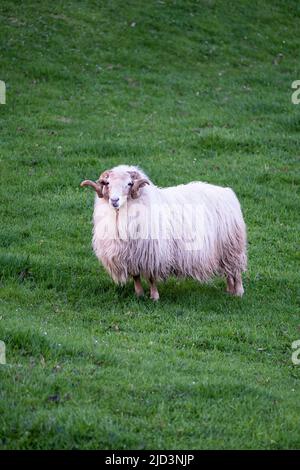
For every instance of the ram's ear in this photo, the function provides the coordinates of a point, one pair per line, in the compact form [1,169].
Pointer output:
[135,175]
[104,176]
[103,181]
[137,184]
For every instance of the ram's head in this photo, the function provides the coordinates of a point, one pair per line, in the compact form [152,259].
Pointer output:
[116,186]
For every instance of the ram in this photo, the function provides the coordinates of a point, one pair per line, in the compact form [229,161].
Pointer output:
[191,230]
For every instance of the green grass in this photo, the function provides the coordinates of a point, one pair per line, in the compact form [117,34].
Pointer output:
[187,90]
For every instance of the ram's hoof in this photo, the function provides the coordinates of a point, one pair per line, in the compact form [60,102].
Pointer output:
[139,293]
[154,296]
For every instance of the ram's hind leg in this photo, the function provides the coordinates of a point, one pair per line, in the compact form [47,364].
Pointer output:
[154,295]
[238,285]
[234,261]
[230,284]
[138,286]
[235,284]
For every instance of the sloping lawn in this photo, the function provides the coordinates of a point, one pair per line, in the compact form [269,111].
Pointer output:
[188,90]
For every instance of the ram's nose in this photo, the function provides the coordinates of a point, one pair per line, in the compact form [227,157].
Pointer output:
[115,201]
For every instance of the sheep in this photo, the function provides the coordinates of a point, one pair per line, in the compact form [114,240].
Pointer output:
[191,230]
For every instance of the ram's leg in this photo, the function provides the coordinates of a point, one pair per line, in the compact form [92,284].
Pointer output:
[230,284]
[235,284]
[138,286]
[238,285]
[154,295]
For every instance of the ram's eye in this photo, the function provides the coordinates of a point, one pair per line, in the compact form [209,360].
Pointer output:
[130,184]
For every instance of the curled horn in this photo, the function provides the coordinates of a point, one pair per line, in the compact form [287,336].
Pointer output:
[97,186]
[138,183]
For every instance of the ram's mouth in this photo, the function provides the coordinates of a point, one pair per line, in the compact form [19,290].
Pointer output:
[114,204]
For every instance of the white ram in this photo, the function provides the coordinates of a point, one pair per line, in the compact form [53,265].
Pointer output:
[195,229]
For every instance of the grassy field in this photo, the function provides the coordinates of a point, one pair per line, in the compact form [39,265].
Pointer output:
[187,90]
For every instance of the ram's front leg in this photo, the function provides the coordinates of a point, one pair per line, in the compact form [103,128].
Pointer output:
[154,295]
[138,286]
